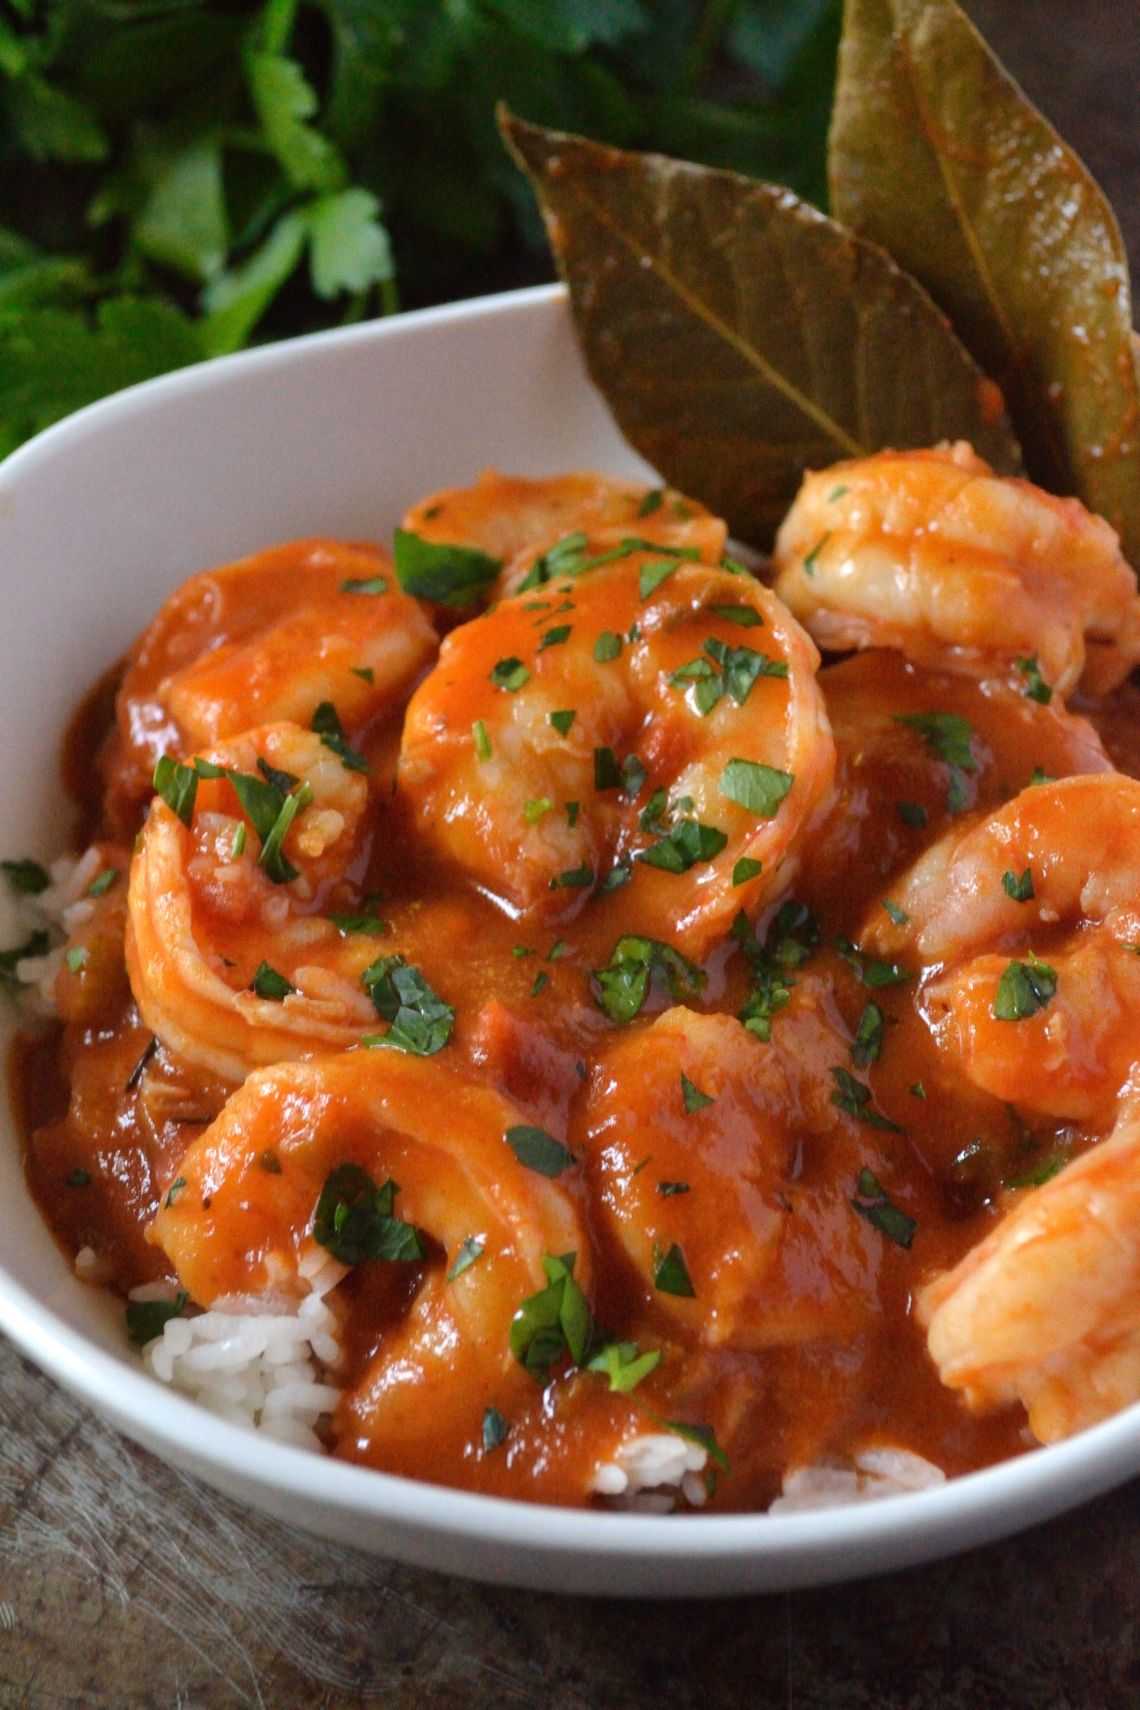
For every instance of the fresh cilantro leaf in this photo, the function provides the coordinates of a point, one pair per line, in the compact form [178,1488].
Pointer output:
[868,1041]
[146,1319]
[623,1365]
[355,1220]
[1036,687]
[1024,988]
[607,647]
[496,1430]
[694,1098]
[481,740]
[510,674]
[433,570]
[854,1097]
[326,724]
[622,988]
[562,721]
[537,1150]
[1019,889]
[873,1203]
[554,1323]
[682,847]
[268,983]
[757,788]
[421,1022]
[471,1250]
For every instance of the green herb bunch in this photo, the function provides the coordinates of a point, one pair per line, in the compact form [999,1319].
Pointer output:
[180,177]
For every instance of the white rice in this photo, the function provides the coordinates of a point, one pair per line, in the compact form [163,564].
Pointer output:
[263,1361]
[653,1473]
[61,909]
[870,1475]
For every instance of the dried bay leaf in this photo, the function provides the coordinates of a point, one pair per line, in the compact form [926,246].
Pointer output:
[739,336]
[936,154]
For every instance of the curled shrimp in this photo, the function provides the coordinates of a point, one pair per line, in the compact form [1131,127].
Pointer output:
[929,552]
[517,520]
[266,639]
[699,1159]
[427,1339]
[650,722]
[1030,922]
[207,910]
[1044,1310]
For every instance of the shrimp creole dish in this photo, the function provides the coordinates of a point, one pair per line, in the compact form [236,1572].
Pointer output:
[577,1008]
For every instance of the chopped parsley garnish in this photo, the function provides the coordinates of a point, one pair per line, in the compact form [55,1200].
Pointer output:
[553,1323]
[365,585]
[26,878]
[535,810]
[1036,687]
[607,772]
[854,1097]
[496,1430]
[541,981]
[668,1189]
[812,557]
[873,1203]
[623,1364]
[722,670]
[894,913]
[77,958]
[836,493]
[917,1090]
[1038,1177]
[537,1150]
[633,775]
[652,501]
[746,616]
[868,1041]
[693,1097]
[471,1249]
[327,725]
[178,786]
[671,1274]
[434,570]
[912,813]
[364,672]
[421,1022]
[146,1319]
[237,847]
[268,983]
[554,637]
[175,1189]
[1021,890]
[481,740]
[367,924]
[683,846]
[636,963]
[79,1177]
[573,879]
[562,721]
[790,939]
[1024,988]
[266,801]
[757,788]
[872,972]
[1041,776]
[651,576]
[562,559]
[617,876]
[510,674]
[558,949]
[355,1220]
[746,868]
[572,811]
[607,647]
[281,780]
[948,738]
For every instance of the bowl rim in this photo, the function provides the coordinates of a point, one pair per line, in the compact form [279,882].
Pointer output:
[862,1537]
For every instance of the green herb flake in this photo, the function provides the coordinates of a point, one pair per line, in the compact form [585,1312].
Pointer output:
[747,617]
[682,847]
[746,868]
[704,1438]
[873,1203]
[668,1189]
[607,772]
[495,1430]
[813,556]
[471,1249]
[178,786]
[420,1021]
[868,1041]
[541,981]
[326,724]
[574,878]
[535,810]
[1038,1177]
[237,847]
[652,501]
[572,811]
[537,1150]
[554,637]
[671,1274]
[77,958]
[364,672]
[1019,889]
[355,1220]
[554,1323]
[651,576]
[917,1090]
[1040,776]
[25,878]
[636,964]
[1035,686]
[617,876]
[694,1098]
[854,1097]
[562,721]
[146,1319]
[433,570]
[912,813]
[174,1190]
[367,924]
[510,674]
[757,788]
[607,647]
[837,493]
[894,913]
[79,1177]
[1024,988]
[268,983]
[481,740]
[623,1364]
[364,585]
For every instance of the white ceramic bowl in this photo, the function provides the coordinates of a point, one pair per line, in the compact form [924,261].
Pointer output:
[99,519]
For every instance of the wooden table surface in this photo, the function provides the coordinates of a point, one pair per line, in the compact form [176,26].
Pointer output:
[126,1586]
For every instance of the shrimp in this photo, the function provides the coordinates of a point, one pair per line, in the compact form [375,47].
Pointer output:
[517,521]
[206,912]
[1030,922]
[428,1339]
[266,639]
[621,727]
[929,552]
[898,731]
[1044,1310]
[703,1175]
